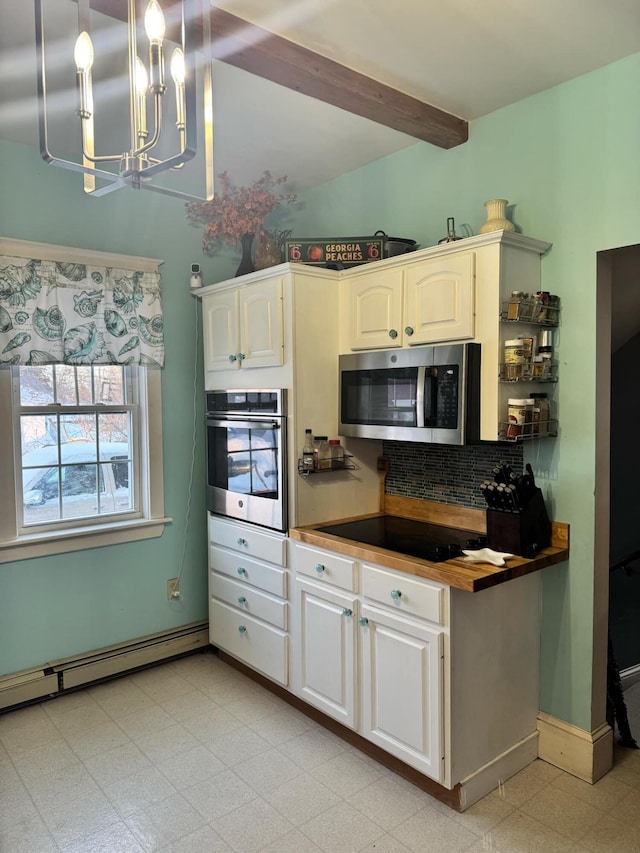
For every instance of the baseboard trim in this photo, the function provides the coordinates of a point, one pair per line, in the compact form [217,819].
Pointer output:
[59,676]
[587,755]
[503,767]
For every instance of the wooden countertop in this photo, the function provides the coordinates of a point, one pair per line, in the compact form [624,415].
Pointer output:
[471,577]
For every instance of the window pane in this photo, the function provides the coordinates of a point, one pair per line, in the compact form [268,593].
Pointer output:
[78,427]
[67,391]
[37,431]
[109,384]
[79,494]
[115,426]
[36,386]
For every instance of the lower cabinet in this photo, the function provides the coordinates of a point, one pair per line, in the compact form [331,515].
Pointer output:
[248,609]
[401,688]
[326,650]
[442,679]
[377,671]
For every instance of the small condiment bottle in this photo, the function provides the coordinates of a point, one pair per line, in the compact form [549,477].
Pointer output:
[337,453]
[541,414]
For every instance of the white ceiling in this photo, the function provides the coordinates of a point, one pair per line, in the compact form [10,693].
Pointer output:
[463,56]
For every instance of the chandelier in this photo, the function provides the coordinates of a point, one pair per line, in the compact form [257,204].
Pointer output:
[158,142]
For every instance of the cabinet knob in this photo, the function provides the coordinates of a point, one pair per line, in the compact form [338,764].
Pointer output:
[408,330]
[393,334]
[241,356]
[241,570]
[319,568]
[242,599]
[347,612]
[242,629]
[396,594]
[363,621]
[232,358]
[241,541]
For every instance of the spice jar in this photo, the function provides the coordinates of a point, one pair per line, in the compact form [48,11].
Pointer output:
[515,355]
[337,453]
[520,417]
[541,414]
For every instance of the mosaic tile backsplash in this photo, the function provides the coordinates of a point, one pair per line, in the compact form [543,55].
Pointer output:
[444,473]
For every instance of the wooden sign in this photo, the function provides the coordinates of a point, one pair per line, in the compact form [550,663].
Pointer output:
[334,252]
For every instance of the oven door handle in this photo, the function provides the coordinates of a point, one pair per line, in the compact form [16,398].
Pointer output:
[243,424]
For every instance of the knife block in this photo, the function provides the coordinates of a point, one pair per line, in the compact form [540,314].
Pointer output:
[524,533]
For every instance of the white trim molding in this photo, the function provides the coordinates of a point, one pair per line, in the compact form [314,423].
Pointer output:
[587,755]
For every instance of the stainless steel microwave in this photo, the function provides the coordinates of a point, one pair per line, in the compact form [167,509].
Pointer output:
[422,394]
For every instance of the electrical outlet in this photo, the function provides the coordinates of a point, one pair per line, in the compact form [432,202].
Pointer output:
[173,589]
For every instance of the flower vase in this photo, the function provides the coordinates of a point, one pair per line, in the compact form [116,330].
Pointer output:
[246,261]
[496,219]
[267,251]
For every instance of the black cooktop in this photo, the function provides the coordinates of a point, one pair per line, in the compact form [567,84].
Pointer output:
[406,536]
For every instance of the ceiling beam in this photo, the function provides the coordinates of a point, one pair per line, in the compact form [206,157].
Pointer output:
[251,48]
[258,51]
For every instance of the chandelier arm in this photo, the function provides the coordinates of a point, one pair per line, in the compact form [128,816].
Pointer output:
[157,122]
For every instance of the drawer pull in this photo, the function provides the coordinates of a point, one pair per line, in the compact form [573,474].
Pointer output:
[319,568]
[241,541]
[347,612]
[396,594]
[242,599]
[232,358]
[241,356]
[393,334]
[241,570]
[242,629]
[363,621]
[408,331]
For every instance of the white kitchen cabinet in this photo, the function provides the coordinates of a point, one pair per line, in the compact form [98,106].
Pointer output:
[243,326]
[423,302]
[248,587]
[442,679]
[325,649]
[440,299]
[402,669]
[374,308]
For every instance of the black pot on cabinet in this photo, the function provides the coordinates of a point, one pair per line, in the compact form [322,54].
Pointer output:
[396,245]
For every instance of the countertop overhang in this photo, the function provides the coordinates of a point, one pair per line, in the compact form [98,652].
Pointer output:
[457,573]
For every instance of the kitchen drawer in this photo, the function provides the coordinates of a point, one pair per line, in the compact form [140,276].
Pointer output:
[248,540]
[260,646]
[404,593]
[271,579]
[326,567]
[249,600]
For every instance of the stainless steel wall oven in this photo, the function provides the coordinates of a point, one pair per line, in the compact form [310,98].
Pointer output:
[246,451]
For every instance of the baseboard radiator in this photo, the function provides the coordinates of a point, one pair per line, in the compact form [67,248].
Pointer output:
[61,675]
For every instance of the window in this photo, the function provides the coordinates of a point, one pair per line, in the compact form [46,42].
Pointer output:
[86,468]
[76,432]
[81,341]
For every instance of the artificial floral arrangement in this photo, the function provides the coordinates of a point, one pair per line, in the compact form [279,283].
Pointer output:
[236,211]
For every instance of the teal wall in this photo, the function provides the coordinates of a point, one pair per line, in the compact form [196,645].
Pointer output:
[72,603]
[568,160]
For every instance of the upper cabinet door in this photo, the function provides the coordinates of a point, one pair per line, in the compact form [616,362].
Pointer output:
[220,322]
[440,299]
[374,311]
[261,335]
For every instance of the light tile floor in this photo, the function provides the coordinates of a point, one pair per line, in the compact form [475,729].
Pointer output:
[192,757]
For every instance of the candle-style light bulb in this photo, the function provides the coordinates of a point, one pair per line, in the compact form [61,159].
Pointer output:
[177,66]
[154,22]
[177,72]
[142,86]
[142,80]
[83,52]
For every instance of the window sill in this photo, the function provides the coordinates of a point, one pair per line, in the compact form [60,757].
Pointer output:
[93,536]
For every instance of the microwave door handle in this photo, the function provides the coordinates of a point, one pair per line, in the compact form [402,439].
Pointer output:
[244,424]
[420,382]
[431,395]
